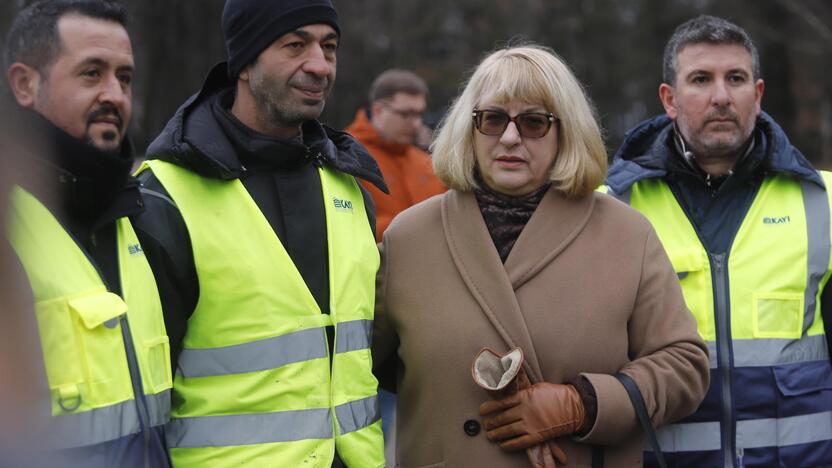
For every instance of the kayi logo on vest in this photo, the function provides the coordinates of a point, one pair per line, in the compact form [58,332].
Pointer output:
[777,220]
[342,205]
[135,249]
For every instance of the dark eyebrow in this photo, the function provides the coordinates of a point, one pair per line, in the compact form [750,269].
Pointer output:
[739,71]
[103,63]
[308,36]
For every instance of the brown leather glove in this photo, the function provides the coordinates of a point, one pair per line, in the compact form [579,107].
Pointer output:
[534,415]
[502,376]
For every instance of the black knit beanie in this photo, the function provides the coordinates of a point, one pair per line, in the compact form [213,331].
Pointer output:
[250,26]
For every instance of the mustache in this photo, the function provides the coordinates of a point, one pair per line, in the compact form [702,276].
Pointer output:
[105,111]
[311,81]
[722,114]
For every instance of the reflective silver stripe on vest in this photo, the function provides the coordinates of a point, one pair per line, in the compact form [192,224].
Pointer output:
[261,355]
[95,426]
[785,431]
[691,437]
[357,414]
[816,204]
[774,351]
[249,429]
[352,336]
[158,407]
[755,433]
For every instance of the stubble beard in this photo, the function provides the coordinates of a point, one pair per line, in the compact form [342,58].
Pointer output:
[706,144]
[278,106]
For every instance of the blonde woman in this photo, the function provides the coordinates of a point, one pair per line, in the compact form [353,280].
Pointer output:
[522,253]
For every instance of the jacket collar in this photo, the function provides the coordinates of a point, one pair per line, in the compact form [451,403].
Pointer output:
[72,177]
[648,147]
[363,129]
[551,229]
[194,139]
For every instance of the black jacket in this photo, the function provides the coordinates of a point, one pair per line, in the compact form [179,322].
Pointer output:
[280,175]
[87,190]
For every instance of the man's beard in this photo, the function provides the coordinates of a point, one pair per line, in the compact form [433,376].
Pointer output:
[114,151]
[109,135]
[278,106]
[706,145]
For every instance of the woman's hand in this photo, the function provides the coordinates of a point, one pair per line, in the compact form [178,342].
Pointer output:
[533,415]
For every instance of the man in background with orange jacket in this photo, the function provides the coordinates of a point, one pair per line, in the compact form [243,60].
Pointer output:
[388,129]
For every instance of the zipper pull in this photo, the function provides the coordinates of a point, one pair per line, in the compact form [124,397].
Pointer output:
[740,454]
[316,158]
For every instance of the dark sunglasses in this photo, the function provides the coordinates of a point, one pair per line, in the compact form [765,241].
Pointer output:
[529,124]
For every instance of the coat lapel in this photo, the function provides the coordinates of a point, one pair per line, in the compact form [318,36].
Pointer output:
[478,263]
[555,223]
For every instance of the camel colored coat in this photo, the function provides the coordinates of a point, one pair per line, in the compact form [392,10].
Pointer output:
[587,290]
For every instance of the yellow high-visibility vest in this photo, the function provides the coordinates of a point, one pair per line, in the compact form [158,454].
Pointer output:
[255,383]
[89,335]
[758,308]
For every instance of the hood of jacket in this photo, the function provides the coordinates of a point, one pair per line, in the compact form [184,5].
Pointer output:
[646,149]
[194,139]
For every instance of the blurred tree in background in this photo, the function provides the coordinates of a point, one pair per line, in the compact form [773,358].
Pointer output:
[614,47]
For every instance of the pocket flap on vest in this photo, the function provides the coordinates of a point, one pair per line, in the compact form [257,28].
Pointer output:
[803,378]
[96,308]
[687,260]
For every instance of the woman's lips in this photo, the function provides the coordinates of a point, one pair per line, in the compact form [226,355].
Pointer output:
[509,162]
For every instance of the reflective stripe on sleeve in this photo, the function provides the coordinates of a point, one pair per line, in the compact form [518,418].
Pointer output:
[354,335]
[261,355]
[249,429]
[95,426]
[816,205]
[357,414]
[158,407]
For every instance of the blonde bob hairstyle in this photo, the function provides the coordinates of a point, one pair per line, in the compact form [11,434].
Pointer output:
[536,75]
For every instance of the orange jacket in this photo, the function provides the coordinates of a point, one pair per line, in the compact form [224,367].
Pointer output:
[407,170]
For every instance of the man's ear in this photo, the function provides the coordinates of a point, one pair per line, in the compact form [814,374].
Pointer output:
[759,88]
[25,82]
[375,108]
[668,100]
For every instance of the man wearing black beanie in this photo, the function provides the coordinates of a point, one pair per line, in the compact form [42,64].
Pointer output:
[262,241]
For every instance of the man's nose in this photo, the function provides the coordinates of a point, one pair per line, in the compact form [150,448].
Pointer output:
[317,63]
[114,91]
[721,95]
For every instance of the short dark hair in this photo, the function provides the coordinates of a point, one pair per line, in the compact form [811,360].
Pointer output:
[34,38]
[709,30]
[397,80]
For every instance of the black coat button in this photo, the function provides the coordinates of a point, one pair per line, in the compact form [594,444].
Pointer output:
[471,427]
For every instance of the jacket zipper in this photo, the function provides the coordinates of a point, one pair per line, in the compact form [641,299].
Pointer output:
[138,393]
[133,366]
[316,158]
[722,315]
[732,456]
